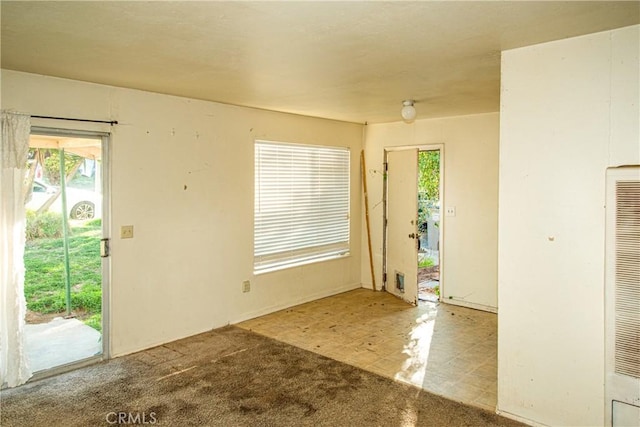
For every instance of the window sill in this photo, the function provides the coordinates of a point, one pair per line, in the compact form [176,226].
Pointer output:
[299,264]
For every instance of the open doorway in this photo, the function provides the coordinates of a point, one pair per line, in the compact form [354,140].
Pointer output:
[412,241]
[429,225]
[64,269]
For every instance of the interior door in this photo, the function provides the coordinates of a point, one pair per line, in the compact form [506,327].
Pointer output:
[402,227]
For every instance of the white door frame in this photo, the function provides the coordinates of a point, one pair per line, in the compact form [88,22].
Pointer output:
[423,147]
[105,138]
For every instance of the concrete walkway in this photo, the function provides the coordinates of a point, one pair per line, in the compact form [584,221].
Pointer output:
[60,342]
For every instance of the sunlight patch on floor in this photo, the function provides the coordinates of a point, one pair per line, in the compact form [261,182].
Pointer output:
[417,350]
[444,349]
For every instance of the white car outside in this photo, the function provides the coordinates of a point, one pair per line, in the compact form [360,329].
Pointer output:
[81,204]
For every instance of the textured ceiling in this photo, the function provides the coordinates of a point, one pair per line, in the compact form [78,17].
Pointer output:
[351,61]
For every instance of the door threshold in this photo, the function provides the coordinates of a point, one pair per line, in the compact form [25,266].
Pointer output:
[52,372]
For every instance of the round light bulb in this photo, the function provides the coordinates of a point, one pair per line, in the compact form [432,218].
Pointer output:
[408,111]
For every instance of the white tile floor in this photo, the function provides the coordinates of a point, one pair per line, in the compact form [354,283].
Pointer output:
[444,349]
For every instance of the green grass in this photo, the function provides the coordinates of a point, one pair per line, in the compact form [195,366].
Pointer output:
[44,286]
[44,225]
[425,262]
[95,322]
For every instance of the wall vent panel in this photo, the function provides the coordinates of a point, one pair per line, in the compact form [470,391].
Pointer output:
[622,297]
[627,279]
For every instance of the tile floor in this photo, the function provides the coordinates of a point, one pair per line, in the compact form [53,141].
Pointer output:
[444,349]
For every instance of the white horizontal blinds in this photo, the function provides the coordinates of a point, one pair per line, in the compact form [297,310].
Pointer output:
[301,204]
[627,282]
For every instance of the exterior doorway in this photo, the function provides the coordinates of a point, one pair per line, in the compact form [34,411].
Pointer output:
[65,261]
[429,225]
[412,247]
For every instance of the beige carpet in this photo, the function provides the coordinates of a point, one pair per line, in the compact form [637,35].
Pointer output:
[230,377]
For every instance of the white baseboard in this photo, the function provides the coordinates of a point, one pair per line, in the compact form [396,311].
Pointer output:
[520,419]
[246,316]
[470,305]
[294,302]
[152,344]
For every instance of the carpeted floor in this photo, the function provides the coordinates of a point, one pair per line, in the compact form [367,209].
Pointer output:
[230,377]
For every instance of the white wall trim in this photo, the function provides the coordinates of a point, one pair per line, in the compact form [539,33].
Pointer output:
[153,344]
[294,302]
[421,147]
[520,419]
[470,305]
[251,315]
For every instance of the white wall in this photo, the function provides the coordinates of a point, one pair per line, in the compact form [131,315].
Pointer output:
[182,272]
[569,110]
[470,243]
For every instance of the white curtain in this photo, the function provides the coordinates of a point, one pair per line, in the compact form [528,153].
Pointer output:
[14,147]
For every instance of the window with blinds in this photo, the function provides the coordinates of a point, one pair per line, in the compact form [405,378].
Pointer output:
[301,211]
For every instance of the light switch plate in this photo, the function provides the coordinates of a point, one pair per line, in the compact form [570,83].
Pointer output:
[126,232]
[246,286]
[450,211]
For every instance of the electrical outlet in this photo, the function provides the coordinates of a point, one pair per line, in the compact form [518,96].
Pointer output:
[450,211]
[246,286]
[126,232]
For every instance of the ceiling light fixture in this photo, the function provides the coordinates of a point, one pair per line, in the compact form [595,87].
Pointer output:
[408,110]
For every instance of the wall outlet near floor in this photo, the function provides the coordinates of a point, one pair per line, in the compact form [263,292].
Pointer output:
[126,232]
[246,286]
[450,211]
